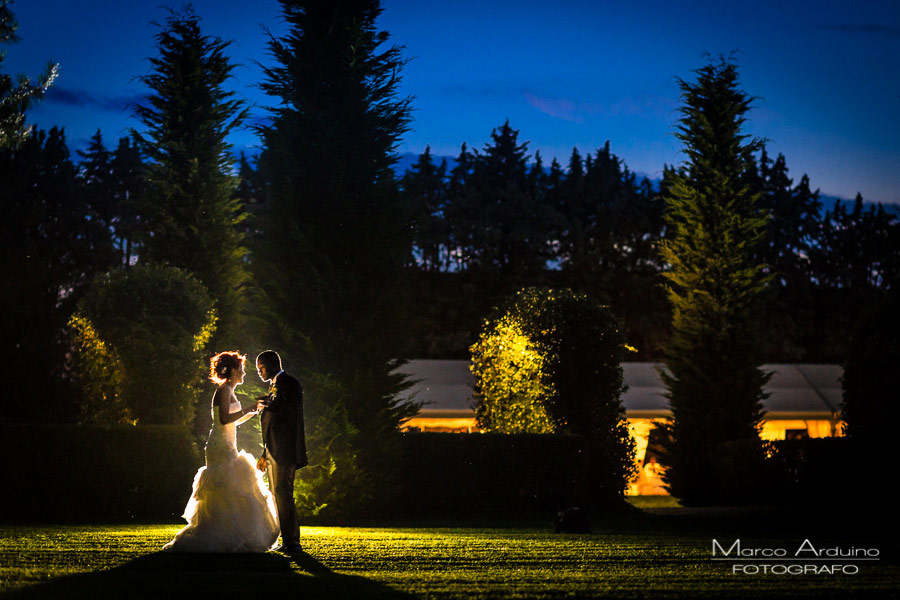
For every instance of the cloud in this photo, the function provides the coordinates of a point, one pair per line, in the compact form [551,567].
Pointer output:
[639,105]
[545,96]
[561,108]
[501,90]
[864,28]
[83,99]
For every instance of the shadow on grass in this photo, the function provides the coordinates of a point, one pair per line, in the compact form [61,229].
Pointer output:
[171,576]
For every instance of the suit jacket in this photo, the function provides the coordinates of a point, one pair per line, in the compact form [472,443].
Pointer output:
[282,422]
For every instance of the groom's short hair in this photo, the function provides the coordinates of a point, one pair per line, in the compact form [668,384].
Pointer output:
[270,359]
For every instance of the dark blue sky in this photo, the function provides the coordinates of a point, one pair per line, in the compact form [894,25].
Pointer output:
[566,74]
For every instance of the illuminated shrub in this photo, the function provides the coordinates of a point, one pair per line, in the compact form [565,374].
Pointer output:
[549,361]
[99,371]
[510,382]
[140,336]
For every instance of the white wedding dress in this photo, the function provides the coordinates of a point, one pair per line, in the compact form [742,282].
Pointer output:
[230,509]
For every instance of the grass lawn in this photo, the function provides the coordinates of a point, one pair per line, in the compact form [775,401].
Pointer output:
[646,555]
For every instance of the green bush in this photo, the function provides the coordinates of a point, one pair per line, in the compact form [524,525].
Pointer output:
[332,488]
[353,473]
[140,335]
[550,361]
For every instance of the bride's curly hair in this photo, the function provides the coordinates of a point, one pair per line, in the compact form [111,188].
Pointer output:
[222,364]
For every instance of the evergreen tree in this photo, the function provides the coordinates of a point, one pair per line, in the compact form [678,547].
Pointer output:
[715,385]
[857,249]
[51,248]
[855,259]
[447,303]
[190,215]
[424,187]
[462,198]
[506,235]
[96,178]
[251,188]
[112,185]
[609,229]
[512,238]
[129,185]
[576,219]
[337,237]
[15,97]
[794,220]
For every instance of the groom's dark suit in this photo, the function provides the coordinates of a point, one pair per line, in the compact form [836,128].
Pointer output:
[285,448]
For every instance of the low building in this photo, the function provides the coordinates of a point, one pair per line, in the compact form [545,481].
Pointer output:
[804,401]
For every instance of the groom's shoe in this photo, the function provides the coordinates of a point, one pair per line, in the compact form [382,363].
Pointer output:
[289,548]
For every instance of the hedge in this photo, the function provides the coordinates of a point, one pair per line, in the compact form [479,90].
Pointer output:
[58,473]
[452,474]
[832,470]
[64,473]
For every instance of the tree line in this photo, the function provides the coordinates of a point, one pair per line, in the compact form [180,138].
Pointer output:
[468,233]
[496,220]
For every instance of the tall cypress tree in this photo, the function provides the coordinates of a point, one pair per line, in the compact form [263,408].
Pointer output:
[190,212]
[715,385]
[337,235]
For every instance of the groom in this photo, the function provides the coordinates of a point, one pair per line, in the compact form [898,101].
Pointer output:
[284,442]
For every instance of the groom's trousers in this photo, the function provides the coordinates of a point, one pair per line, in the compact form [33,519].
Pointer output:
[281,478]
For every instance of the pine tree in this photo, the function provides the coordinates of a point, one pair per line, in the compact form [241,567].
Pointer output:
[129,189]
[795,219]
[337,237]
[95,175]
[462,199]
[608,229]
[513,237]
[507,221]
[854,261]
[190,215]
[250,188]
[712,357]
[424,187]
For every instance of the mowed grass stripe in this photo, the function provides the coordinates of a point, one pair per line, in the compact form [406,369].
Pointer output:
[433,563]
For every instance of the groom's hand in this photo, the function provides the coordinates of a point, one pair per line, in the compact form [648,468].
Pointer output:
[261,463]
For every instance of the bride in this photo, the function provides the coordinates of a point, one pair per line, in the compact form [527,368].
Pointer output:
[230,509]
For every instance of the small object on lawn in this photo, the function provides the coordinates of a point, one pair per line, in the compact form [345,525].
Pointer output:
[572,520]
